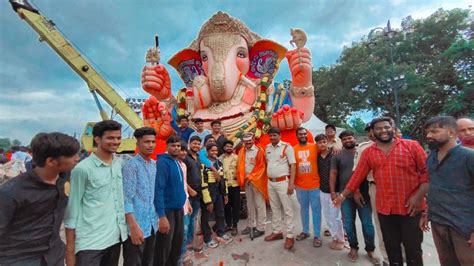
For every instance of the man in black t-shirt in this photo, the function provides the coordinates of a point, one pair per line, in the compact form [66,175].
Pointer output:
[216,127]
[331,215]
[32,204]
[341,170]
[193,178]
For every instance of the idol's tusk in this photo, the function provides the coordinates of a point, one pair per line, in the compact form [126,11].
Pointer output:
[248,82]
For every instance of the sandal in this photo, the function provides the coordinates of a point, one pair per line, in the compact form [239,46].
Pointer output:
[337,245]
[317,242]
[302,236]
[374,259]
[327,233]
[353,256]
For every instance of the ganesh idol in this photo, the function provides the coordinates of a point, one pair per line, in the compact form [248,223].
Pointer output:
[228,73]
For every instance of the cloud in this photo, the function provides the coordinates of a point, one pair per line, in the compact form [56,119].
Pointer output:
[40,92]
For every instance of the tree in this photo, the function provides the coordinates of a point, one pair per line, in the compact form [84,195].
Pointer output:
[357,125]
[5,143]
[16,142]
[436,59]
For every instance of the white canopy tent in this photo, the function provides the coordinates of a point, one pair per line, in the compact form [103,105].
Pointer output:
[316,126]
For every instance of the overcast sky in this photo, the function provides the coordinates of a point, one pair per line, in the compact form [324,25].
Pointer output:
[39,92]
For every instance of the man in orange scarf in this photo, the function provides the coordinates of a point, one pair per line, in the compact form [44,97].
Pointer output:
[251,174]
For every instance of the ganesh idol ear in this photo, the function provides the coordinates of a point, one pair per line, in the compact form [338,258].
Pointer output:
[188,64]
[265,58]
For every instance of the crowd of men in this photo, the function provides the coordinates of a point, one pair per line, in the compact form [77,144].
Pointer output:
[155,210]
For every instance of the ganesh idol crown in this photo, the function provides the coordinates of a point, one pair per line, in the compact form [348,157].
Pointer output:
[228,73]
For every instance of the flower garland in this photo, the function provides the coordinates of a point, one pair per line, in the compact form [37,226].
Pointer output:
[181,97]
[260,120]
[258,123]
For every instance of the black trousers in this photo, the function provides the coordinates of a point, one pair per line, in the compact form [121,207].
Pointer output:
[232,208]
[137,255]
[30,262]
[219,213]
[398,229]
[106,257]
[168,246]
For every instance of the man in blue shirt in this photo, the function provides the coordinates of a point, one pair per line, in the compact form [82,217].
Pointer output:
[201,132]
[20,155]
[450,194]
[183,131]
[139,190]
[169,202]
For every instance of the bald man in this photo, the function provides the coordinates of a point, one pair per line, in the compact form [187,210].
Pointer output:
[466,132]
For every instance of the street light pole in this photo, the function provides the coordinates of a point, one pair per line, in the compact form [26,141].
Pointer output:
[394,88]
[389,33]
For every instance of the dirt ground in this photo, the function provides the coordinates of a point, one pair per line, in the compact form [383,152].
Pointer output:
[243,251]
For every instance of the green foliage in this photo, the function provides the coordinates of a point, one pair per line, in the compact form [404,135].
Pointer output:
[357,125]
[436,59]
[5,143]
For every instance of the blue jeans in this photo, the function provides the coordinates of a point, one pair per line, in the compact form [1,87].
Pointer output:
[349,208]
[186,222]
[189,223]
[307,198]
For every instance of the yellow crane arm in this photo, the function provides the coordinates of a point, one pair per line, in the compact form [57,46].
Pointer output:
[48,32]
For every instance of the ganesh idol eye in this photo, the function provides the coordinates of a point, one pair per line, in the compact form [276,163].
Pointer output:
[204,57]
[242,52]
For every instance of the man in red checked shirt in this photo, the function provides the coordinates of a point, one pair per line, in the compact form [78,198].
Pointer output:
[399,170]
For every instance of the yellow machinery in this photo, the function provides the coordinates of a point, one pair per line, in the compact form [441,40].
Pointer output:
[97,85]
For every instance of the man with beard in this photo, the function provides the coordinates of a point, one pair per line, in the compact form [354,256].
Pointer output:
[451,193]
[372,188]
[399,169]
[466,132]
[341,171]
[307,186]
[32,204]
[95,216]
[232,208]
